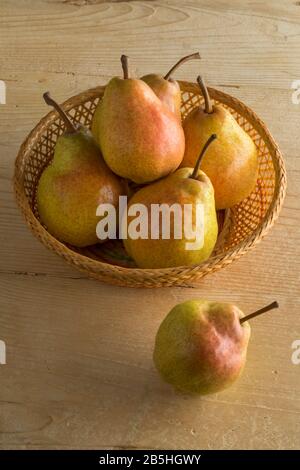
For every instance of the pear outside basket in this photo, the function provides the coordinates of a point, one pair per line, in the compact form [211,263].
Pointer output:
[240,227]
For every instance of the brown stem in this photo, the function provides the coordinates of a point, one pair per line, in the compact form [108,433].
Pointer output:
[50,101]
[197,166]
[259,312]
[208,104]
[124,62]
[196,55]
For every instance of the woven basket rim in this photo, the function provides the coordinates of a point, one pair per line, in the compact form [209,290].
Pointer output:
[225,257]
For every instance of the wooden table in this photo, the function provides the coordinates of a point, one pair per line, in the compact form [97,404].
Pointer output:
[79,370]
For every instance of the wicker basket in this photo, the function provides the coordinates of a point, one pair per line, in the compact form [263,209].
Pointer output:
[242,227]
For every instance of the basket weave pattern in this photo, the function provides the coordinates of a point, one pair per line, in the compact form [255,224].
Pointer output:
[245,224]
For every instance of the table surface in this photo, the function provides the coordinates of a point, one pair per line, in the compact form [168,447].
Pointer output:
[79,370]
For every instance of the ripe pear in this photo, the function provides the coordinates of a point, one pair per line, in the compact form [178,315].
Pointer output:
[166,88]
[201,346]
[232,163]
[74,184]
[140,138]
[187,186]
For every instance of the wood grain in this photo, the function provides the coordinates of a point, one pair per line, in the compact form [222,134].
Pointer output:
[79,370]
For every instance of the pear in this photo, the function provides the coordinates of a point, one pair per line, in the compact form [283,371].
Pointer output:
[166,88]
[74,184]
[140,138]
[184,187]
[232,163]
[201,346]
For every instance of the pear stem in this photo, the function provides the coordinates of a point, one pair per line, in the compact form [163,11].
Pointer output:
[196,55]
[197,166]
[208,104]
[124,62]
[259,312]
[50,101]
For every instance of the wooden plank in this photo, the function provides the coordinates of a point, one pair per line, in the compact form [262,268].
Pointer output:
[80,371]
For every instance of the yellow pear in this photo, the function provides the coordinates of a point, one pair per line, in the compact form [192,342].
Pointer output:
[74,184]
[174,246]
[232,163]
[201,346]
[140,138]
[166,88]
